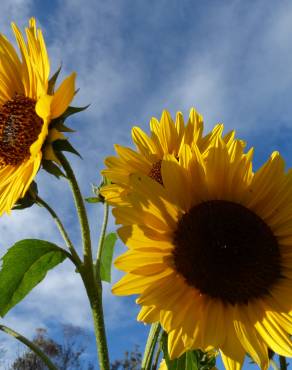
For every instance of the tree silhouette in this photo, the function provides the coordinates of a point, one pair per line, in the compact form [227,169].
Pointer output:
[66,356]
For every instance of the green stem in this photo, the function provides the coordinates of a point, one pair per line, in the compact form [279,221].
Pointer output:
[156,357]
[91,282]
[80,207]
[283,363]
[62,230]
[30,345]
[94,293]
[101,238]
[150,346]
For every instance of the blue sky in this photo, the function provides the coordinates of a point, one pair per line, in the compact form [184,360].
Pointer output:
[232,60]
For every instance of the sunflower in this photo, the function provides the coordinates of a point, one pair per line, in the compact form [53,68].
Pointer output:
[27,106]
[210,252]
[167,137]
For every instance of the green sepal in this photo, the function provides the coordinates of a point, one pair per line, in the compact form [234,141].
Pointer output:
[96,190]
[29,198]
[61,127]
[53,80]
[25,265]
[52,168]
[72,110]
[59,122]
[107,257]
[205,360]
[63,145]
[191,360]
[92,200]
[195,360]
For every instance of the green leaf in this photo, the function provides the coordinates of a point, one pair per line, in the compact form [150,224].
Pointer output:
[24,265]
[107,257]
[53,80]
[64,146]
[52,168]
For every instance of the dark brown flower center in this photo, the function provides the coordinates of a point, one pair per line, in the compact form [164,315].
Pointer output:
[227,252]
[155,172]
[19,128]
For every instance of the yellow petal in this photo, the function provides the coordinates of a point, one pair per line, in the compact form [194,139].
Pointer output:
[134,262]
[63,96]
[270,331]
[135,284]
[232,351]
[168,134]
[213,324]
[143,143]
[175,344]
[250,340]
[144,238]
[148,314]
[174,180]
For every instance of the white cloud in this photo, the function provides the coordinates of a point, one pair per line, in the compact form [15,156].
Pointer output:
[17,11]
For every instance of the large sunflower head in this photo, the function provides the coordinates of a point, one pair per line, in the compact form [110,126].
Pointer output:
[210,251]
[167,136]
[28,104]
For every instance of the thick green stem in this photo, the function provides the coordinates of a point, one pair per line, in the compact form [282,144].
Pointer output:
[30,345]
[91,282]
[150,346]
[62,230]
[94,292]
[283,363]
[80,207]
[101,238]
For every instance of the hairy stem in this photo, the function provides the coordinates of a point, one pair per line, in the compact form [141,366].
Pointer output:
[94,293]
[34,348]
[80,207]
[62,230]
[150,346]
[91,282]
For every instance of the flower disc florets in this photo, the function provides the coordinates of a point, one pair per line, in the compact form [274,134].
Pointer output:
[227,252]
[19,128]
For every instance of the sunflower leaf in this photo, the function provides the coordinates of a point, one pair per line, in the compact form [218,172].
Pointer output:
[107,256]
[52,168]
[64,146]
[24,265]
